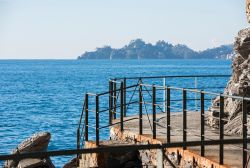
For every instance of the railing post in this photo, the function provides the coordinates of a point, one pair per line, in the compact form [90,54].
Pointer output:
[78,139]
[184,109]
[202,124]
[244,131]
[121,106]
[97,120]
[221,130]
[125,96]
[154,111]
[168,114]
[140,109]
[110,102]
[86,117]
[78,145]
[164,94]
[115,99]
[195,85]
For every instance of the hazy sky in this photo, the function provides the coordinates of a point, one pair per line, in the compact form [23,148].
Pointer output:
[64,29]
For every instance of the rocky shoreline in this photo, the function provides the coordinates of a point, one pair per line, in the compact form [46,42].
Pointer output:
[36,143]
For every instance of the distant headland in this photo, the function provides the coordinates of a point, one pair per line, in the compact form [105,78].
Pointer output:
[138,49]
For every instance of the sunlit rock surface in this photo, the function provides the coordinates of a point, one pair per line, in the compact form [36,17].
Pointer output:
[36,143]
[238,85]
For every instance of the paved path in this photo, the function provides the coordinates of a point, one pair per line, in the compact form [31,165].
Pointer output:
[232,154]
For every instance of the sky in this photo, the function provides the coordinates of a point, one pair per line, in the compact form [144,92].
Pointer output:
[65,29]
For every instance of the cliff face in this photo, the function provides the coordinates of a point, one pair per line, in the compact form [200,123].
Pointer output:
[239,85]
[248,10]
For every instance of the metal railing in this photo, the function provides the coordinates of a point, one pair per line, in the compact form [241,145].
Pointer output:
[148,101]
[115,149]
[183,81]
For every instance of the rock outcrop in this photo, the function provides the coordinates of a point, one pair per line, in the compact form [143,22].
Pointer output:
[37,143]
[238,85]
[248,10]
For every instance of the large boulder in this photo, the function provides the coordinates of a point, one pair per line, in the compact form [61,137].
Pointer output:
[36,143]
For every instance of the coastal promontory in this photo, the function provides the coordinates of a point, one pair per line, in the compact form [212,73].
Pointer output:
[138,49]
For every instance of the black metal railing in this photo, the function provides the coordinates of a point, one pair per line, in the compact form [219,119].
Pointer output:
[113,96]
[148,103]
[115,149]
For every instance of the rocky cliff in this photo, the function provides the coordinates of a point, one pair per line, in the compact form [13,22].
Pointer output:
[239,85]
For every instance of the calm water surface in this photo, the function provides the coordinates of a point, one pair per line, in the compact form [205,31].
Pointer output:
[47,95]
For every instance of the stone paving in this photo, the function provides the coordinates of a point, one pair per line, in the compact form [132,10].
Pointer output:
[232,154]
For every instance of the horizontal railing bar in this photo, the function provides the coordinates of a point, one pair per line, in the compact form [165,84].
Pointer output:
[106,126]
[133,102]
[236,97]
[175,76]
[199,91]
[108,92]
[187,100]
[130,91]
[150,90]
[159,105]
[116,149]
[117,123]
[200,88]
[147,102]
[114,81]
[176,100]
[222,87]
[148,85]
[210,93]
[177,88]
[91,94]
[101,111]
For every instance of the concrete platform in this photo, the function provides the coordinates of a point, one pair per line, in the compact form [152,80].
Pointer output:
[232,153]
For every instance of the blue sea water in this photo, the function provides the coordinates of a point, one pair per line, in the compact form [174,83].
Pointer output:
[47,95]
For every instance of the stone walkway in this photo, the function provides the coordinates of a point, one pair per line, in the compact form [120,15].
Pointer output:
[232,154]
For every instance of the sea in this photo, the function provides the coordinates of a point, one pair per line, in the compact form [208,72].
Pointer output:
[47,95]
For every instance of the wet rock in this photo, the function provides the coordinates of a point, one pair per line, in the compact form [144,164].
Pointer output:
[36,143]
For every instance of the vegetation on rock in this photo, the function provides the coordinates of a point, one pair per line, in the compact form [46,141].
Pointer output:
[138,49]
